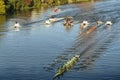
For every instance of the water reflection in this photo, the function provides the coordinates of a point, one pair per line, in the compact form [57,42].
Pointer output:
[2,27]
[26,19]
[68,28]
[2,22]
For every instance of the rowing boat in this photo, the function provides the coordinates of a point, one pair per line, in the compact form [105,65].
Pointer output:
[52,20]
[67,66]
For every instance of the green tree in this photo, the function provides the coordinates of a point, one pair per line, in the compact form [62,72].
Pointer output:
[36,3]
[12,2]
[2,7]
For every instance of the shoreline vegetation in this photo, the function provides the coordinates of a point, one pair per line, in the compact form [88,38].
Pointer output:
[11,6]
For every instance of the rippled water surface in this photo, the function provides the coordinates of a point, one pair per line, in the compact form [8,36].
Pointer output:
[35,51]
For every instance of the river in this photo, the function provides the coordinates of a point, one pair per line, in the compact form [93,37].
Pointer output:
[35,51]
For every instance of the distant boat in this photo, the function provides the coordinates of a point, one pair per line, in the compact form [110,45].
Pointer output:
[99,22]
[56,10]
[84,24]
[69,21]
[17,25]
[67,66]
[47,22]
[108,23]
[52,20]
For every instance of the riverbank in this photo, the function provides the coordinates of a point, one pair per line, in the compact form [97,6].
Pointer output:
[11,6]
[2,7]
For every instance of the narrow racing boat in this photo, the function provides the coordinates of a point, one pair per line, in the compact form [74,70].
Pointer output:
[68,21]
[67,66]
[52,20]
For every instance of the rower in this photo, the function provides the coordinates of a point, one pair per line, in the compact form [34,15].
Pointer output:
[52,18]
[56,10]
[84,24]
[108,23]
[17,25]
[99,22]
[68,21]
[48,22]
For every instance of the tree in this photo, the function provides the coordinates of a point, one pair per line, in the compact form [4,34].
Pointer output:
[2,7]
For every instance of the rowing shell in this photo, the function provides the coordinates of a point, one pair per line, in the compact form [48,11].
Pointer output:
[67,66]
[52,20]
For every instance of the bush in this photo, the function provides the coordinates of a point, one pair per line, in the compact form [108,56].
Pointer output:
[2,7]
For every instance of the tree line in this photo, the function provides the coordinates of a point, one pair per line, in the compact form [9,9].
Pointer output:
[10,6]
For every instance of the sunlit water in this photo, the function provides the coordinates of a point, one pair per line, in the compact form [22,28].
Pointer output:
[35,51]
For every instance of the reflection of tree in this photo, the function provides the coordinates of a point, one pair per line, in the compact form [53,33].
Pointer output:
[85,6]
[2,21]
[68,28]
[2,7]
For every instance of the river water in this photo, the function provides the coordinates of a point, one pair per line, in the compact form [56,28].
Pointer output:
[35,51]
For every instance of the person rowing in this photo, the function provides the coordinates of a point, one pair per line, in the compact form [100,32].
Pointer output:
[108,23]
[56,10]
[68,21]
[16,25]
[84,24]
[50,20]
[99,22]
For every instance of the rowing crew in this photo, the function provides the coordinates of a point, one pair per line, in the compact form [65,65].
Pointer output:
[68,21]
[50,20]
[16,25]
[85,23]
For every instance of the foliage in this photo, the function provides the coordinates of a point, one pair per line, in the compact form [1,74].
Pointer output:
[2,7]
[14,5]
[36,3]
